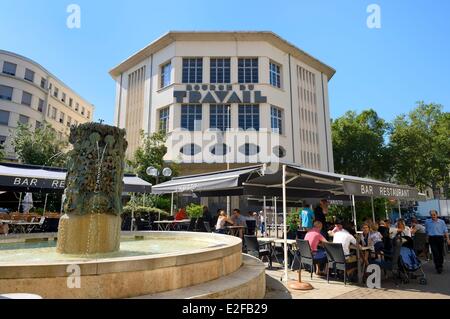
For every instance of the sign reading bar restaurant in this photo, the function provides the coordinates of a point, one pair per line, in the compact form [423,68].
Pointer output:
[364,189]
[219,93]
[32,182]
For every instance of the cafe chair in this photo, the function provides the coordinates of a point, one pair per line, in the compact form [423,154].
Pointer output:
[420,245]
[336,260]
[260,251]
[305,254]
[207,227]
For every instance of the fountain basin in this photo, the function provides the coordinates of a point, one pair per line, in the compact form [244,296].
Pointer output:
[187,259]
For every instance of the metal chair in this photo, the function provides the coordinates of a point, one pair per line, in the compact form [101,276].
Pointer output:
[420,244]
[252,247]
[207,226]
[251,227]
[306,256]
[336,259]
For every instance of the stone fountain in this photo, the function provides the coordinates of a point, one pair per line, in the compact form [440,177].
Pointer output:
[92,206]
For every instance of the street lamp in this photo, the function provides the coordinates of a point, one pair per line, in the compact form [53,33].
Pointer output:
[152,171]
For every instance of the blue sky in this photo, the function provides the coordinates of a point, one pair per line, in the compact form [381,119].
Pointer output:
[387,69]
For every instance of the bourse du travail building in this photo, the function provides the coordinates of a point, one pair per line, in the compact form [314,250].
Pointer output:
[227,97]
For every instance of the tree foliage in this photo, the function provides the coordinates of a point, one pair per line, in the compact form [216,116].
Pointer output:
[40,146]
[151,154]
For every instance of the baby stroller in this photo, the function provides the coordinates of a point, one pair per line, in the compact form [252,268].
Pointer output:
[410,267]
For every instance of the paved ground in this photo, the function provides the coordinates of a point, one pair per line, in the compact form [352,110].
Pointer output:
[438,287]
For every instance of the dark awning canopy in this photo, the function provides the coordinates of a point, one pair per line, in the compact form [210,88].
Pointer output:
[31,178]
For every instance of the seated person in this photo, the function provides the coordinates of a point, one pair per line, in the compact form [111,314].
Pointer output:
[384,230]
[221,221]
[342,236]
[402,229]
[4,229]
[237,218]
[417,228]
[181,214]
[377,239]
[315,238]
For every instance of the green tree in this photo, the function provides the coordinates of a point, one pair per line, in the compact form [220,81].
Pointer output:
[421,144]
[151,153]
[40,146]
[359,146]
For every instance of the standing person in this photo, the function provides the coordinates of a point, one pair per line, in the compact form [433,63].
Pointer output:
[437,231]
[307,217]
[320,215]
[262,223]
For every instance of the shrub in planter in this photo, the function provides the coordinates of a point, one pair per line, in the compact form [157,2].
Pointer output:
[194,211]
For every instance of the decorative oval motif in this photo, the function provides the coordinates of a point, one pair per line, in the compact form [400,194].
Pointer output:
[190,149]
[249,149]
[279,151]
[219,149]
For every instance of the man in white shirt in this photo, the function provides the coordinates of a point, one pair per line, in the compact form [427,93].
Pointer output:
[341,236]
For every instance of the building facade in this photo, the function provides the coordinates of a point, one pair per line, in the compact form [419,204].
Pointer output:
[29,94]
[261,93]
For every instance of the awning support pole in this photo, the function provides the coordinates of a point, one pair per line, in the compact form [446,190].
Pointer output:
[266,225]
[276,216]
[373,210]
[20,201]
[354,212]
[45,204]
[132,214]
[285,227]
[386,209]
[399,209]
[171,205]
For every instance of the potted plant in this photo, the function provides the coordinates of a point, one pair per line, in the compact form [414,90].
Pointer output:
[293,221]
[195,213]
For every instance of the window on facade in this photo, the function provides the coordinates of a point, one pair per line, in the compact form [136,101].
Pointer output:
[29,75]
[70,102]
[275,75]
[276,119]
[23,119]
[88,115]
[249,116]
[166,71]
[6,92]
[4,117]
[9,68]
[164,120]
[248,70]
[220,70]
[191,117]
[54,113]
[43,83]
[219,116]
[2,139]
[56,92]
[82,110]
[77,106]
[63,98]
[192,70]
[38,125]
[41,105]
[26,98]
[61,117]
[69,120]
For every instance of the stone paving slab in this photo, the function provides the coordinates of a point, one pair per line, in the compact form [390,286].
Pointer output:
[438,287]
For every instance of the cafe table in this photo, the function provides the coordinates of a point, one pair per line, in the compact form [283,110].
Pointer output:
[237,231]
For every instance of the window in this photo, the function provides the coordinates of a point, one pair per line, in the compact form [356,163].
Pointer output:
[4,117]
[50,86]
[43,83]
[38,125]
[191,117]
[166,70]
[77,106]
[220,70]
[63,98]
[29,75]
[164,120]
[88,115]
[248,70]
[41,105]
[219,116]
[54,113]
[23,119]
[2,139]
[61,117]
[193,70]
[6,92]
[9,68]
[276,119]
[56,92]
[82,110]
[26,98]
[70,102]
[275,78]
[249,116]
[75,122]
[69,120]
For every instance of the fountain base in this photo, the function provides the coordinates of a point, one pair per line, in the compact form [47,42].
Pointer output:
[88,234]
